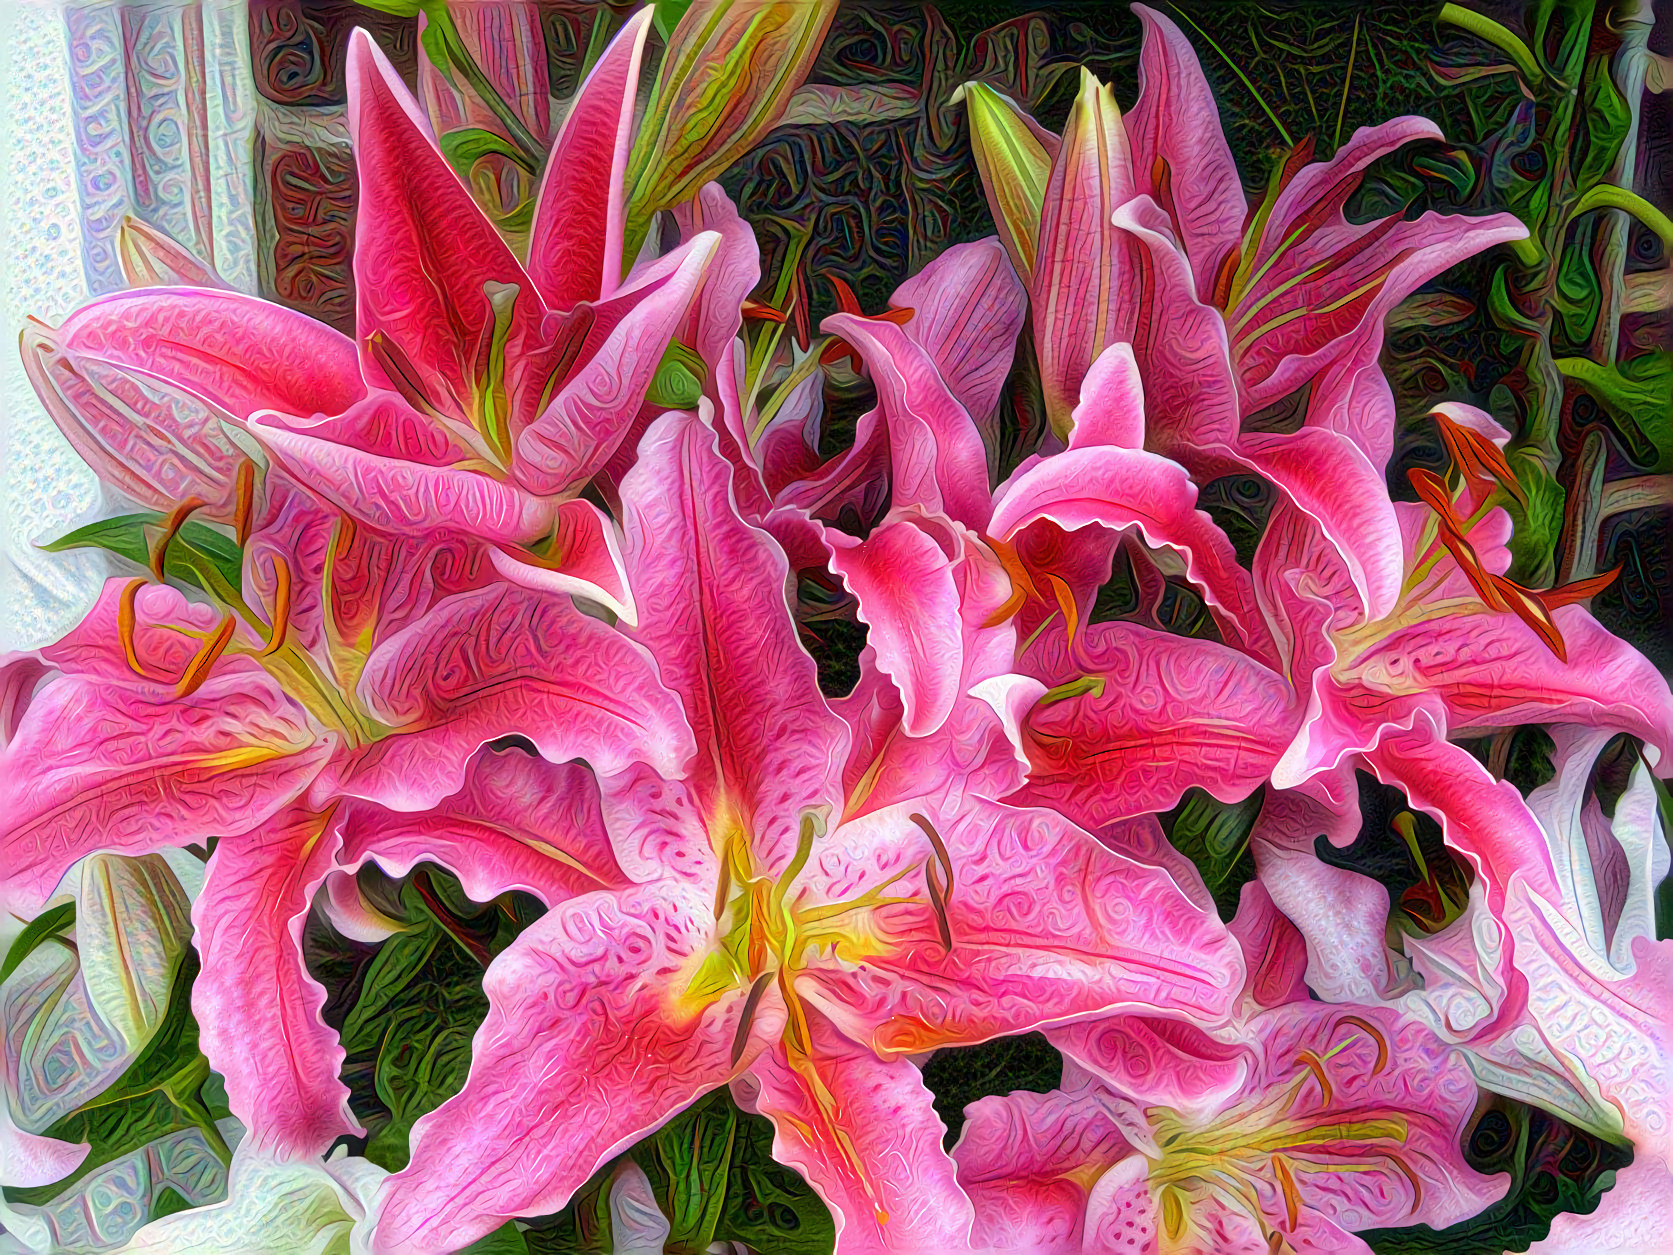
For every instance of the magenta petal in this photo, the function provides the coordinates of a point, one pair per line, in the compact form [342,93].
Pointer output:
[1175,127]
[241,353]
[257,1008]
[967,307]
[398,494]
[574,436]
[504,660]
[904,584]
[519,822]
[423,250]
[711,591]
[1174,712]
[902,1196]
[575,244]
[1168,1063]
[1120,488]
[1329,478]
[583,1052]
[95,767]
[936,454]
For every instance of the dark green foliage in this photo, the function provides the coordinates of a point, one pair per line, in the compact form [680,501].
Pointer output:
[959,1075]
[713,1175]
[1215,836]
[48,923]
[1553,1167]
[198,556]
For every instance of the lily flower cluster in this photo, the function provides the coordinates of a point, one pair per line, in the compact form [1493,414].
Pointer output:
[509,581]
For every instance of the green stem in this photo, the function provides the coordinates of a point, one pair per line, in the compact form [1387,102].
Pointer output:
[461,58]
[1500,36]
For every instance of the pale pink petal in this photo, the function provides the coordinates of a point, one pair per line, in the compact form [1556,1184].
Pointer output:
[351,915]
[1111,409]
[504,660]
[937,459]
[713,611]
[874,1153]
[257,1008]
[519,822]
[1081,255]
[1174,712]
[28,1160]
[1179,153]
[586,1048]
[1342,914]
[423,249]
[967,307]
[1120,488]
[1637,1204]
[1047,925]
[1026,1161]
[94,767]
[657,828]
[584,558]
[903,582]
[575,244]
[572,438]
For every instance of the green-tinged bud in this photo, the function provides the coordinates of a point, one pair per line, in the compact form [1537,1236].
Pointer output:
[725,80]
[678,383]
[1014,166]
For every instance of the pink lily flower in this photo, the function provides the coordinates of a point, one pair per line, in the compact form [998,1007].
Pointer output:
[769,938]
[163,722]
[478,397]
[1319,1120]
[1144,237]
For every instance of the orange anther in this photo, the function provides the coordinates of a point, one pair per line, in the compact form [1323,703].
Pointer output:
[127,622]
[1292,1195]
[171,528]
[1315,1065]
[281,607]
[242,516]
[1375,1034]
[197,670]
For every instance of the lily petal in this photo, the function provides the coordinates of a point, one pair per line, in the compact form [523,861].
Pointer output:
[423,249]
[504,660]
[93,767]
[711,588]
[582,1053]
[257,1008]
[572,438]
[585,559]
[575,244]
[1111,409]
[1179,153]
[877,1162]
[1174,712]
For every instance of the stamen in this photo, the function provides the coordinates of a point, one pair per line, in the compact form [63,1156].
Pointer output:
[281,607]
[246,501]
[1292,1196]
[940,848]
[402,374]
[197,670]
[1406,1171]
[493,403]
[813,825]
[127,623]
[1093,684]
[171,528]
[1315,1065]
[1577,590]
[1477,457]
[741,1038]
[1374,1034]
[761,312]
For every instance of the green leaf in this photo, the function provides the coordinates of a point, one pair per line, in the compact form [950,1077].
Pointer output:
[687,1162]
[434,41]
[45,925]
[468,145]
[1638,396]
[1608,122]
[1536,529]
[505,1240]
[1497,34]
[398,961]
[1215,836]
[768,1206]
[199,555]
[678,383]
[667,16]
